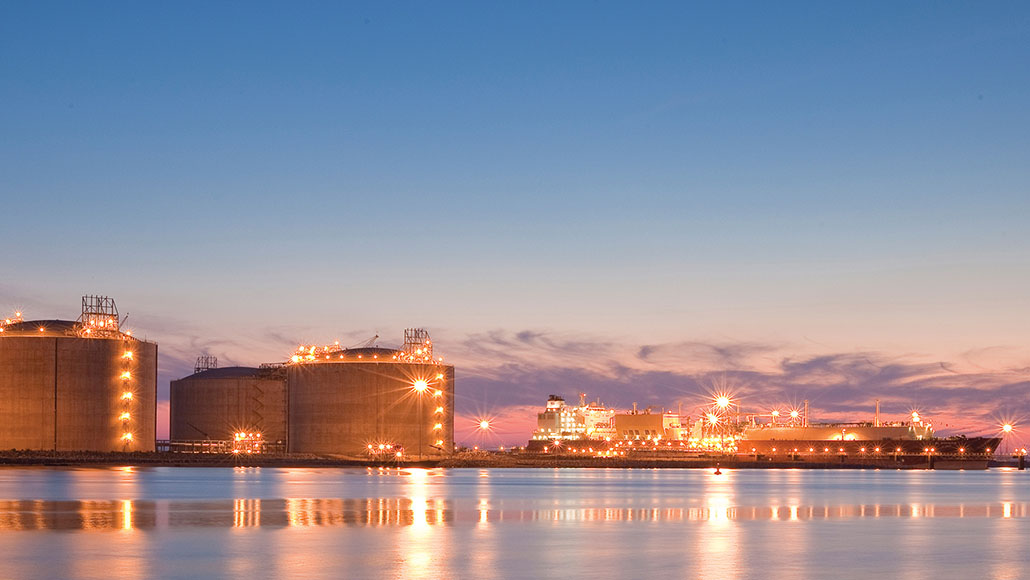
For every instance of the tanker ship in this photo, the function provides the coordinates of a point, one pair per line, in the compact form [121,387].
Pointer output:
[905,441]
[722,428]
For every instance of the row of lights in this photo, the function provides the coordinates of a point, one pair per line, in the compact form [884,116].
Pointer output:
[316,353]
[420,386]
[127,398]
[928,450]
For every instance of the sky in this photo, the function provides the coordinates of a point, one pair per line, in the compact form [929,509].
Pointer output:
[820,201]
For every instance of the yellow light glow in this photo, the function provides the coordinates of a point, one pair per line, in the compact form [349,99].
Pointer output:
[794,414]
[1007,427]
[438,393]
[128,354]
[439,376]
[775,413]
[127,436]
[437,426]
[124,416]
[126,375]
[127,395]
[722,402]
[439,409]
[420,385]
[713,419]
[484,424]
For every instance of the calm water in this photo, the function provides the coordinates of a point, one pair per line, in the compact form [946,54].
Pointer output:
[564,523]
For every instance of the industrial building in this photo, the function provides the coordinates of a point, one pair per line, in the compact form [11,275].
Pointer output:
[367,401]
[220,404]
[82,385]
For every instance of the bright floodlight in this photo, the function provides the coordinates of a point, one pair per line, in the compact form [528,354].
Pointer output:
[775,413]
[484,424]
[420,385]
[794,414]
[1007,427]
[722,402]
[713,419]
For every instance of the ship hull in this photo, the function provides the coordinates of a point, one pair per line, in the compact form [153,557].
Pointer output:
[949,447]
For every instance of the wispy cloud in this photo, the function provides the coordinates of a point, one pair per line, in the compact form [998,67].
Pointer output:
[507,376]
[517,370]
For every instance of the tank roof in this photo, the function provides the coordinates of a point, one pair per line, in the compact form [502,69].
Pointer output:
[228,373]
[51,328]
[60,328]
[371,353]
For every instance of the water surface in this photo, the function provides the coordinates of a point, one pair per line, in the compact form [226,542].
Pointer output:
[512,523]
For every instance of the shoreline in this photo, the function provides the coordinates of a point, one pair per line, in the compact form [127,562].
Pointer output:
[480,460]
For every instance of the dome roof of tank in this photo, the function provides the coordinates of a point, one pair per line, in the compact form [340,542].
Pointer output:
[228,373]
[62,328]
[373,353]
[50,328]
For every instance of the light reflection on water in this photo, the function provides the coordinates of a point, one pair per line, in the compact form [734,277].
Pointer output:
[267,523]
[420,514]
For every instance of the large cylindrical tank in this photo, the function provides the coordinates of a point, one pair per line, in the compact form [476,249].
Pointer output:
[64,389]
[343,405]
[216,403]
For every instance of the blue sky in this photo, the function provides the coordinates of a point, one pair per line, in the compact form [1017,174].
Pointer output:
[821,180]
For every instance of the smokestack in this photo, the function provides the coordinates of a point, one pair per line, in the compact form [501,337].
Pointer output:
[806,414]
[876,420]
[582,399]
[634,407]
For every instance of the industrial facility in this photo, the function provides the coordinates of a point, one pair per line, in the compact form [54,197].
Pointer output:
[362,401]
[82,385]
[241,406]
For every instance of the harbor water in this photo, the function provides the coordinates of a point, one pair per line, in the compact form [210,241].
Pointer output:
[168,522]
